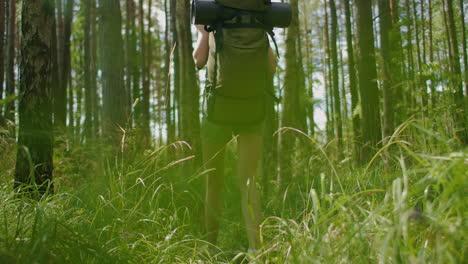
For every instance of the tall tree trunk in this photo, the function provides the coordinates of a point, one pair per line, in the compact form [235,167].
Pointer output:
[465,55]
[10,65]
[66,73]
[309,75]
[419,77]
[352,81]
[93,70]
[176,66]
[167,76]
[88,125]
[431,57]
[129,11]
[458,112]
[146,86]
[371,130]
[34,156]
[115,108]
[144,122]
[335,77]
[2,58]
[60,94]
[328,78]
[292,112]
[189,90]
[387,82]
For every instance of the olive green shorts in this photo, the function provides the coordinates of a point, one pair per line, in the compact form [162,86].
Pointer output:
[221,134]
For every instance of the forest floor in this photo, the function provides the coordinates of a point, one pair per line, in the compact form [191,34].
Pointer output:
[412,210]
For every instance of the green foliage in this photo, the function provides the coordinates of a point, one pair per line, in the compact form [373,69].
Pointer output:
[139,209]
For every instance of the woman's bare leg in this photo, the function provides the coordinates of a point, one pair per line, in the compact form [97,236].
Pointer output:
[213,157]
[250,147]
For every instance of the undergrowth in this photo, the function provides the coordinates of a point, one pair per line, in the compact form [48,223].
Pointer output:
[409,209]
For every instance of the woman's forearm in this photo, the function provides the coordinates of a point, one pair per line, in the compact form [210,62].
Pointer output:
[200,54]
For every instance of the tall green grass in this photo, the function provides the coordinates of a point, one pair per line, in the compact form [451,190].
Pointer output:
[140,209]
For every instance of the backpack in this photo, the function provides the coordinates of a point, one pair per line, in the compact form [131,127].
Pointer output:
[252,5]
[236,90]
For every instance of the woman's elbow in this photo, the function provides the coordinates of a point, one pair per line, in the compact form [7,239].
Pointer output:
[199,61]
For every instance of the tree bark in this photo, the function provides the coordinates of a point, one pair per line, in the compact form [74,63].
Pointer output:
[60,94]
[371,130]
[387,81]
[115,108]
[167,75]
[2,58]
[458,111]
[88,125]
[10,64]
[352,82]
[465,55]
[335,78]
[34,156]
[189,90]
[292,112]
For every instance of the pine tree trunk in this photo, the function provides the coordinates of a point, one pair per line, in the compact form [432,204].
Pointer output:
[60,94]
[309,76]
[167,76]
[459,115]
[352,81]
[335,78]
[465,55]
[66,73]
[371,130]
[387,82]
[292,112]
[328,79]
[144,122]
[176,66]
[35,105]
[421,83]
[10,64]
[431,57]
[115,110]
[96,113]
[189,90]
[88,125]
[2,58]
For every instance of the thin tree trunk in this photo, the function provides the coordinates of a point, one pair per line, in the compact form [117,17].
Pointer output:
[95,94]
[167,76]
[328,79]
[88,125]
[2,58]
[458,112]
[10,65]
[60,94]
[387,82]
[176,58]
[144,122]
[431,57]
[465,55]
[34,156]
[335,77]
[309,77]
[419,78]
[352,81]
[66,74]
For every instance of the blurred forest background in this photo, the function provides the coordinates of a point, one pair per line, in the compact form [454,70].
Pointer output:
[365,156]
